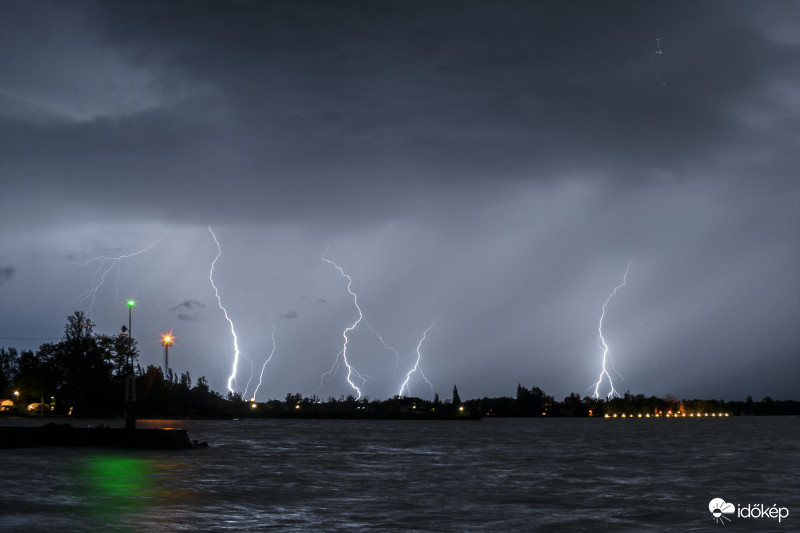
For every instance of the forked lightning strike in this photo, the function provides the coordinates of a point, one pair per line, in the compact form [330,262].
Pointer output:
[261,377]
[225,311]
[658,52]
[603,346]
[386,347]
[350,370]
[250,379]
[104,266]
[405,385]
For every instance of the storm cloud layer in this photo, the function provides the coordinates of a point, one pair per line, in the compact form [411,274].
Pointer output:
[490,166]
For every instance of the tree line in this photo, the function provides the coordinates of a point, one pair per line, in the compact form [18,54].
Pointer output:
[84,375]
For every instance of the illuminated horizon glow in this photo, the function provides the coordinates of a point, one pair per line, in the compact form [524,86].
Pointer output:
[261,377]
[350,370]
[405,384]
[225,312]
[111,263]
[602,344]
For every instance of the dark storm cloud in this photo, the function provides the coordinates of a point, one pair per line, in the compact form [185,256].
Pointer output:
[312,108]
[7,272]
[491,164]
[188,304]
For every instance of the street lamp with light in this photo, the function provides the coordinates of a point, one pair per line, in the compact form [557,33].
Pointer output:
[131,305]
[130,384]
[167,340]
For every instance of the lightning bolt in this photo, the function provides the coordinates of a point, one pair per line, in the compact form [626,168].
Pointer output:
[333,371]
[105,264]
[261,377]
[601,342]
[350,370]
[250,379]
[405,385]
[385,346]
[658,52]
[225,312]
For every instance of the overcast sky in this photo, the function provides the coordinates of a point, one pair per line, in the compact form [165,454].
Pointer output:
[492,167]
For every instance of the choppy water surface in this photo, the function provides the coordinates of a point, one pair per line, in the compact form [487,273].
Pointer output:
[492,475]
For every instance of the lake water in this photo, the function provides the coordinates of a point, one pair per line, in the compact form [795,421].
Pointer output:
[347,475]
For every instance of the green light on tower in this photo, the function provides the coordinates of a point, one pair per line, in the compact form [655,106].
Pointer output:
[130,388]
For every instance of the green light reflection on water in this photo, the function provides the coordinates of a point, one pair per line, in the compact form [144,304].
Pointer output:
[114,487]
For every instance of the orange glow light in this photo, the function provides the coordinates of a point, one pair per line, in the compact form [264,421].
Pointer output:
[168,338]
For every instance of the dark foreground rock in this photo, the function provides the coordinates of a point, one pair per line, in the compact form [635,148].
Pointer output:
[65,435]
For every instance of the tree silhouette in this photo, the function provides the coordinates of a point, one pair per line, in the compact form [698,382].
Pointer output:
[9,366]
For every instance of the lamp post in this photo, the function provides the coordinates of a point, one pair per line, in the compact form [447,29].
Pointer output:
[131,305]
[167,340]
[130,384]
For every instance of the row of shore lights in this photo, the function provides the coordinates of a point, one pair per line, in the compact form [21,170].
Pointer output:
[668,415]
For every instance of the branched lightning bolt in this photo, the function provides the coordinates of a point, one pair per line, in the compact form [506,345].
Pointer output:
[225,312]
[601,342]
[385,346]
[405,385]
[350,370]
[261,377]
[104,265]
[333,371]
[250,379]
[658,52]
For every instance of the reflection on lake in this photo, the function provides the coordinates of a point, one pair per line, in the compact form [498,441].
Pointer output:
[498,475]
